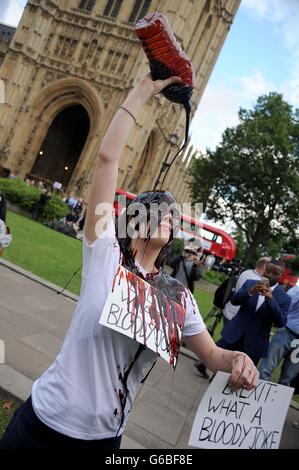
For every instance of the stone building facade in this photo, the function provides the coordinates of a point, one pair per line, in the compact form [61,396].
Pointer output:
[70,65]
[6,35]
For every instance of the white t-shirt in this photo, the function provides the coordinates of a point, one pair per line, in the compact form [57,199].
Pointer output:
[79,394]
[230,310]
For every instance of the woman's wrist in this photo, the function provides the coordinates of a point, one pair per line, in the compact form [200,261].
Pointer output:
[136,99]
[142,91]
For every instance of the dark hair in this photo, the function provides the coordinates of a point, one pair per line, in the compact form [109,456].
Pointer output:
[276,262]
[146,198]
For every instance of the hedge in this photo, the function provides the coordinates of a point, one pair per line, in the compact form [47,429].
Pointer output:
[27,197]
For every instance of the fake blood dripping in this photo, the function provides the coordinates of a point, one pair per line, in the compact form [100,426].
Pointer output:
[163,303]
[123,390]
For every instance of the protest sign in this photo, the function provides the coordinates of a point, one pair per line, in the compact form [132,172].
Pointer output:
[139,310]
[244,419]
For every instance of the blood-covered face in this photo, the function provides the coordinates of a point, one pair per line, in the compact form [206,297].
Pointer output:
[154,216]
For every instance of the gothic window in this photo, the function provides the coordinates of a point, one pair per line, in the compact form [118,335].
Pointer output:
[112,8]
[140,9]
[108,60]
[209,22]
[65,46]
[114,62]
[72,47]
[207,6]
[83,52]
[86,5]
[108,7]
[97,57]
[62,45]
[116,8]
[92,48]
[57,46]
[48,41]
[122,63]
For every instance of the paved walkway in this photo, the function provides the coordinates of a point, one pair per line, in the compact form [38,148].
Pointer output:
[33,322]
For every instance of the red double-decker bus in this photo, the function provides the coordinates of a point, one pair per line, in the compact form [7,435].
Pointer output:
[212,239]
[290,275]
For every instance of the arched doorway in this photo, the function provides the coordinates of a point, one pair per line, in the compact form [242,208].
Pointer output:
[62,146]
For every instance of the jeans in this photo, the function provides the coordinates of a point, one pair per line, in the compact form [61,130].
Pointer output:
[27,431]
[280,348]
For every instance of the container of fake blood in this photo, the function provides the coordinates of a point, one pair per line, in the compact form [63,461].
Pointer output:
[166,57]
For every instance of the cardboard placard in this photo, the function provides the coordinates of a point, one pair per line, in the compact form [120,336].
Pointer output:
[243,419]
[140,311]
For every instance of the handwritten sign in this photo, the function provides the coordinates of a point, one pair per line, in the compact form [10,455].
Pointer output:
[245,419]
[139,310]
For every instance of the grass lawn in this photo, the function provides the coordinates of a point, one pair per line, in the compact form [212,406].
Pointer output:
[55,257]
[44,252]
[8,406]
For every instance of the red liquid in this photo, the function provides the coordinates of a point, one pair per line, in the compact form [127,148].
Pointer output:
[165,56]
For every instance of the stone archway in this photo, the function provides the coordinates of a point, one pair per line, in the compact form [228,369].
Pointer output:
[62,146]
[52,101]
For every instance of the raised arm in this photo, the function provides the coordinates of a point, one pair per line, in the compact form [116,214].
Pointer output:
[104,181]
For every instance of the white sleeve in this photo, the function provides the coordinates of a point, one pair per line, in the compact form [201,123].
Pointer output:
[194,323]
[105,241]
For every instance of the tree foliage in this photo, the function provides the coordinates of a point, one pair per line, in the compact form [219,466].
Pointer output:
[252,178]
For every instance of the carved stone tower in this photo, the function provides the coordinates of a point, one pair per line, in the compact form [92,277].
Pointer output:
[71,64]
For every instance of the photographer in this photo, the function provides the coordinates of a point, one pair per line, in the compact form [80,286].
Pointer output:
[187,267]
[261,304]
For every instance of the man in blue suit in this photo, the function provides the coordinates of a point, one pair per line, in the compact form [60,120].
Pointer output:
[262,304]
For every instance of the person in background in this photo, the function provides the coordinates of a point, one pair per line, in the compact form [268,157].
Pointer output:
[187,267]
[44,198]
[72,202]
[262,304]
[210,261]
[230,310]
[283,345]
[5,237]
[3,206]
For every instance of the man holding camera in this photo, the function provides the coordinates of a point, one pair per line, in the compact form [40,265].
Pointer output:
[262,304]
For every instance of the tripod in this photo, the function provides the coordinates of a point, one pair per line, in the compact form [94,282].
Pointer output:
[216,315]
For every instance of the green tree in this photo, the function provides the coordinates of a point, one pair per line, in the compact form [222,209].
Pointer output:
[252,178]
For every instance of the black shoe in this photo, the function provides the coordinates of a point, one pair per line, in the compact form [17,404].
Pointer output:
[201,368]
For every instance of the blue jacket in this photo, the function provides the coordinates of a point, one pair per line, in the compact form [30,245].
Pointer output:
[255,325]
